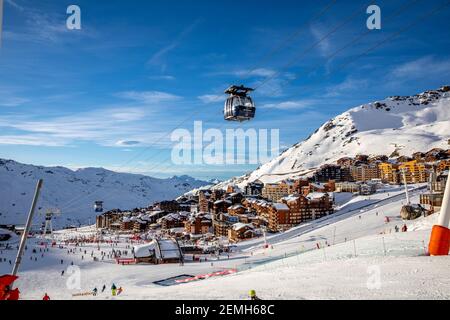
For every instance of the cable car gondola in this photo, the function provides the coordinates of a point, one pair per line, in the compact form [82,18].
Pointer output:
[239,106]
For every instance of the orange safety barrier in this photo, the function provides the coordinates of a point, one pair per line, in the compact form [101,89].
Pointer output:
[439,241]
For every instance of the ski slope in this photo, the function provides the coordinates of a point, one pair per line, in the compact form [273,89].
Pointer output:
[355,245]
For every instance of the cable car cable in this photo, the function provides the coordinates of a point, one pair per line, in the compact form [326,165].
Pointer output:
[271,53]
[364,53]
[384,40]
[350,18]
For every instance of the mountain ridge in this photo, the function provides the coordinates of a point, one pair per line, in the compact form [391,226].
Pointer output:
[396,125]
[75,191]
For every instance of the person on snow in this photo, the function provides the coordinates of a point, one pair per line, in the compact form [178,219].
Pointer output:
[113,289]
[405,228]
[119,291]
[104,288]
[253,295]
[46,297]
[94,292]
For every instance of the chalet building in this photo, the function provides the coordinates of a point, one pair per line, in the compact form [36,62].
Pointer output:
[236,210]
[254,188]
[298,209]
[200,224]
[351,187]
[204,201]
[415,172]
[366,189]
[259,206]
[127,224]
[105,220]
[389,172]
[221,206]
[169,206]
[173,220]
[330,186]
[140,225]
[278,219]
[332,172]
[222,223]
[320,204]
[235,198]
[365,172]
[433,199]
[275,191]
[188,205]
[443,165]
[241,231]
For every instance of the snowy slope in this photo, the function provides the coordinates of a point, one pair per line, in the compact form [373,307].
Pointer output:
[359,249]
[74,192]
[403,125]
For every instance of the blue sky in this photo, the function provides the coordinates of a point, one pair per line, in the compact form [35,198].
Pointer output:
[111,93]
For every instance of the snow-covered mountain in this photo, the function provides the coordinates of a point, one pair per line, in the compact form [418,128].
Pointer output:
[394,126]
[74,192]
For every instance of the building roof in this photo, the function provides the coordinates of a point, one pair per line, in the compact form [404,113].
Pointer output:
[239,226]
[316,195]
[168,249]
[280,206]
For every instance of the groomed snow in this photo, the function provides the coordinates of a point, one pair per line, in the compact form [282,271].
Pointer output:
[357,247]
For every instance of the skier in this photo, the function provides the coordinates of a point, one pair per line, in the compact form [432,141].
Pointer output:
[253,295]
[104,288]
[113,289]
[46,297]
[119,291]
[94,292]
[405,228]
[62,273]
[397,229]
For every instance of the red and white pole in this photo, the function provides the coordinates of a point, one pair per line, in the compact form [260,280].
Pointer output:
[440,235]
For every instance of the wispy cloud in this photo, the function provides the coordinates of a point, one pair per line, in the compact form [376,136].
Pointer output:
[348,86]
[162,77]
[10,97]
[149,97]
[291,105]
[158,58]
[427,66]
[318,34]
[109,127]
[211,98]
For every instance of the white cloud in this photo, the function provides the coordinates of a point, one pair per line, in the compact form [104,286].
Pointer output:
[319,34]
[349,85]
[291,105]
[104,127]
[212,98]
[149,97]
[12,101]
[424,67]
[158,57]
[162,77]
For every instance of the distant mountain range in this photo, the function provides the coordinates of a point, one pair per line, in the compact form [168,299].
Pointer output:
[74,192]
